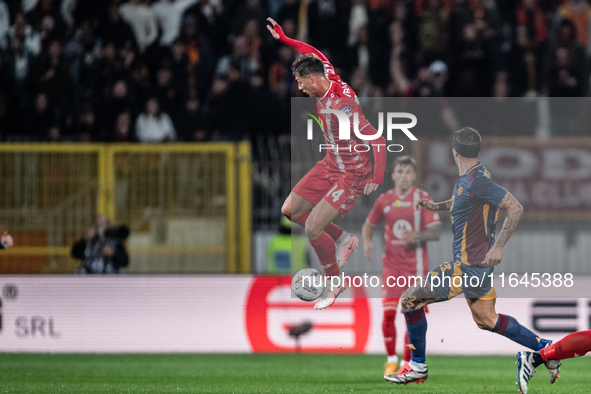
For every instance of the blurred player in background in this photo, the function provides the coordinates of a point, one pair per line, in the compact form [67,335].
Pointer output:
[332,186]
[573,345]
[405,252]
[6,240]
[473,208]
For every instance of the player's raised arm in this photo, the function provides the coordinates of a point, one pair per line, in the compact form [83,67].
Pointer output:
[432,206]
[514,212]
[301,47]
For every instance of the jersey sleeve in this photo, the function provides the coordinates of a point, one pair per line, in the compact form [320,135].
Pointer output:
[483,187]
[301,47]
[428,217]
[377,212]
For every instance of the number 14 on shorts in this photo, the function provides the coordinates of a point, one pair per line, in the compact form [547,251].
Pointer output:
[335,195]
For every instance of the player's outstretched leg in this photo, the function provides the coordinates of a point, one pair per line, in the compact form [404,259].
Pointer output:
[573,345]
[525,369]
[298,209]
[325,249]
[414,300]
[346,244]
[527,362]
[389,331]
[486,318]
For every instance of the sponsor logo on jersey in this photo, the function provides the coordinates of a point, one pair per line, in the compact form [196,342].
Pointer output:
[400,226]
[347,110]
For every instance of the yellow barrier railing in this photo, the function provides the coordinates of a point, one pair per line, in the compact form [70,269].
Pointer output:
[144,186]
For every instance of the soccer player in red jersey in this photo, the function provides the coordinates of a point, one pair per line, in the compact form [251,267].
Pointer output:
[406,234]
[332,186]
[573,345]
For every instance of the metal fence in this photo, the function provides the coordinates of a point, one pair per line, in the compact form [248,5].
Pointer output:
[179,200]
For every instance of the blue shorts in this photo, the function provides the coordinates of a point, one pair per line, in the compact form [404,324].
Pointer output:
[473,281]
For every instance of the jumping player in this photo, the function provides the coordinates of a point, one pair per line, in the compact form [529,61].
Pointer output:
[405,254]
[332,186]
[473,211]
[573,345]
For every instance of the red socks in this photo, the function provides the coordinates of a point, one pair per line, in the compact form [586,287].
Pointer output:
[332,229]
[325,250]
[573,345]
[389,331]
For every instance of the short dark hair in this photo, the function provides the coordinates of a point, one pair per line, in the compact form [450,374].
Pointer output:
[405,161]
[467,136]
[306,65]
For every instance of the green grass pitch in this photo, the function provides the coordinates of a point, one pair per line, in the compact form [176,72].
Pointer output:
[268,373]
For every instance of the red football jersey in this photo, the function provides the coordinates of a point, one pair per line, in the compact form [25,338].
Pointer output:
[404,258]
[343,156]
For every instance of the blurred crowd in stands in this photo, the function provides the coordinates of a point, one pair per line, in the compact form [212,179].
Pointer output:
[202,70]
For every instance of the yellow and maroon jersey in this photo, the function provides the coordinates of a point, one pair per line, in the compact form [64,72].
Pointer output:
[407,259]
[474,213]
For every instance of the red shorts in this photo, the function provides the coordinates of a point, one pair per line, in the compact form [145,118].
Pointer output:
[340,189]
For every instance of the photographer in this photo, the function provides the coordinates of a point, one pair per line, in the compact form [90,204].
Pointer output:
[102,250]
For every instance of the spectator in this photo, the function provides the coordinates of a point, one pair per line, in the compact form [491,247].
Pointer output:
[46,19]
[153,125]
[212,21]
[192,124]
[102,250]
[142,21]
[169,14]
[566,73]
[531,34]
[250,10]
[42,123]
[239,56]
[171,96]
[116,30]
[67,9]
[198,53]
[22,35]
[433,30]
[51,74]
[89,129]
[121,131]
[280,70]
[118,101]
[578,12]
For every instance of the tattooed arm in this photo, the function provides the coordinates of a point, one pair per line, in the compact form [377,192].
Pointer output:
[514,212]
[432,206]
[431,233]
